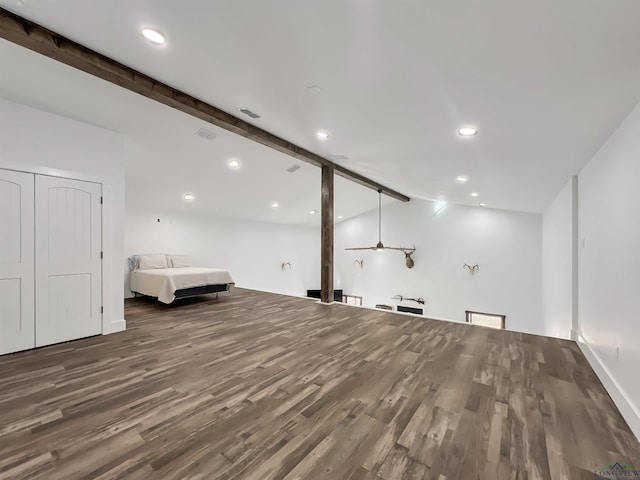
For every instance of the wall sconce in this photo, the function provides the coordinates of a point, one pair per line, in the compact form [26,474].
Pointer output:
[285,265]
[360,262]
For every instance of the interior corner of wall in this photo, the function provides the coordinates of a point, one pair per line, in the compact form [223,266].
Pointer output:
[574,334]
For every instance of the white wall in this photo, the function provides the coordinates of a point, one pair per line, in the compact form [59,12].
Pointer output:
[252,251]
[506,245]
[39,142]
[609,265]
[559,266]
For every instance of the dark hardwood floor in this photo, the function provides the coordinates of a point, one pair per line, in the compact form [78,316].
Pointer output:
[259,386]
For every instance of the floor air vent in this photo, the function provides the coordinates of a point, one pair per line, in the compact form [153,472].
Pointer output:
[402,308]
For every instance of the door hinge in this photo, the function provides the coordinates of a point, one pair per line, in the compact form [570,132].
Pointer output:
[101,200]
[101,255]
[101,309]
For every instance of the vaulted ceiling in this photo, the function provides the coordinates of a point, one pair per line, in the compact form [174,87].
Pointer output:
[545,82]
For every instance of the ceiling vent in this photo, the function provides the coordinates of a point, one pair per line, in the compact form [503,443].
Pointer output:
[338,157]
[206,134]
[293,168]
[248,112]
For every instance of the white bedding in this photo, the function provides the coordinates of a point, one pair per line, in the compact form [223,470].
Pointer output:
[163,282]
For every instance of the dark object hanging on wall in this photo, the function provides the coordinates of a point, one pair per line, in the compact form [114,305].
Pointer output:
[472,268]
[419,300]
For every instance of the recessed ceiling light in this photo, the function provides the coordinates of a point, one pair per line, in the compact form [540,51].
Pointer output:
[482,204]
[312,212]
[154,36]
[188,197]
[234,163]
[275,205]
[461,179]
[339,217]
[467,131]
[474,194]
[322,135]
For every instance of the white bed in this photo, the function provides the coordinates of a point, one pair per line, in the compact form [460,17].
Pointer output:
[167,284]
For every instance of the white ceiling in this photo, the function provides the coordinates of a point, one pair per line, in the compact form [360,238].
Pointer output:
[165,157]
[545,81]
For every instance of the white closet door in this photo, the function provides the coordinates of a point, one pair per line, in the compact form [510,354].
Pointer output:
[16,262]
[68,264]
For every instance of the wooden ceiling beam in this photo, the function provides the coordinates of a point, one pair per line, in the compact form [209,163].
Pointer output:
[30,35]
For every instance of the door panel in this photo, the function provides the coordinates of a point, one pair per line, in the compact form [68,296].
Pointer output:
[69,225]
[16,262]
[68,264]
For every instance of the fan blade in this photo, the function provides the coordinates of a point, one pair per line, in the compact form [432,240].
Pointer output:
[402,249]
[361,248]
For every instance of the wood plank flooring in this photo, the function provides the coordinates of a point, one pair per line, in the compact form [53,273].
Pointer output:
[259,386]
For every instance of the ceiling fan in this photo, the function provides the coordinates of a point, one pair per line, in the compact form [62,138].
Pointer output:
[380,246]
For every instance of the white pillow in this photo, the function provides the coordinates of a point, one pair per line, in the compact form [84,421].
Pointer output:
[179,261]
[151,262]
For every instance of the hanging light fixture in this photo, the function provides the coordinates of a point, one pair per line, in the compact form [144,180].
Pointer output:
[380,246]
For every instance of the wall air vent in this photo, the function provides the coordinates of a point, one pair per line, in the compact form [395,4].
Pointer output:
[338,157]
[206,134]
[293,168]
[248,112]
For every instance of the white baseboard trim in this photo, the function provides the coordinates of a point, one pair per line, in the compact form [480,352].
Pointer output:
[326,303]
[628,410]
[116,326]
[575,335]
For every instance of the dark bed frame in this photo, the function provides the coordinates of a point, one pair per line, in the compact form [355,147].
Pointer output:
[194,291]
[201,290]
